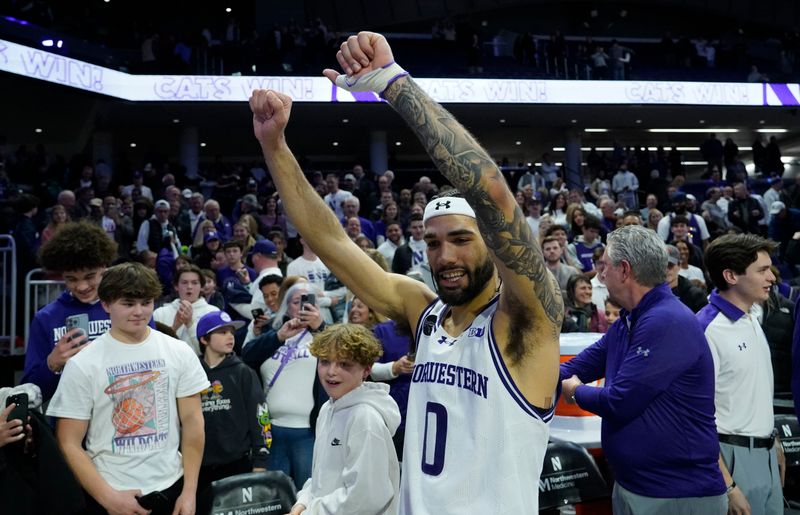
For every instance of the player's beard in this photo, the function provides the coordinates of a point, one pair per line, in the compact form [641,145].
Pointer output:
[476,282]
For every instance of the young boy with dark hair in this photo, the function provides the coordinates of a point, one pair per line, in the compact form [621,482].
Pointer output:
[612,311]
[210,292]
[235,269]
[355,468]
[232,405]
[582,249]
[133,397]
[80,252]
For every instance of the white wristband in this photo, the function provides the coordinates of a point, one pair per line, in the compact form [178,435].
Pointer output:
[376,80]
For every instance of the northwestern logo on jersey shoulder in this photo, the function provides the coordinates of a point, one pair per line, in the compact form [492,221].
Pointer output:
[451,375]
[476,332]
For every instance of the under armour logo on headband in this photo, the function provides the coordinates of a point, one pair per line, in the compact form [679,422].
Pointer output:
[447,206]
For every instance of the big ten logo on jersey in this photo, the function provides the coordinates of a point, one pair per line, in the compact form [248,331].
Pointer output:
[476,332]
[96,328]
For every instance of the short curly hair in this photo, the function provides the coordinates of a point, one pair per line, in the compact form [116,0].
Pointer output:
[347,341]
[78,246]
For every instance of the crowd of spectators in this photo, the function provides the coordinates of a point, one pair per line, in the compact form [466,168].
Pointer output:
[219,246]
[208,43]
[229,223]
[221,242]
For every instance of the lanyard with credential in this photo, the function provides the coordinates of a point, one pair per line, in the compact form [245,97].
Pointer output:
[288,356]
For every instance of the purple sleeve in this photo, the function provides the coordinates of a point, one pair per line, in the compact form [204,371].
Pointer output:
[40,344]
[796,359]
[653,360]
[589,365]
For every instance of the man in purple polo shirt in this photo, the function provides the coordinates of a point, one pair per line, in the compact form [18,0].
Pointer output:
[657,404]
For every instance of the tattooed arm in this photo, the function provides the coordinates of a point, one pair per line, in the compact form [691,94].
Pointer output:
[502,224]
[528,320]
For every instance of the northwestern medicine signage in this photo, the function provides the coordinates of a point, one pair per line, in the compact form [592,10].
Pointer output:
[42,65]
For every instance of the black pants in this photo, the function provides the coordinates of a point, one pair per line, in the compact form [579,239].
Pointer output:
[171,494]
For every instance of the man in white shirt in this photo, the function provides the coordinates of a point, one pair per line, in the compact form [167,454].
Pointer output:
[138,183]
[626,186]
[183,313]
[534,213]
[697,226]
[773,193]
[158,232]
[195,212]
[394,239]
[599,288]
[410,256]
[264,257]
[739,266]
[311,267]
[336,197]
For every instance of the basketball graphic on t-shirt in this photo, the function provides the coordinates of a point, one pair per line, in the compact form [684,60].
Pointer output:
[129,416]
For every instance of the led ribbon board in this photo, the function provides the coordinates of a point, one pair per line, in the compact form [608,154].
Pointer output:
[39,64]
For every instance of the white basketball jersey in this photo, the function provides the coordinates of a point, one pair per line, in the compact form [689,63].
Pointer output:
[473,444]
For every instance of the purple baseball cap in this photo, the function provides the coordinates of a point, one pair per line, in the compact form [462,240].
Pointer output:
[215,320]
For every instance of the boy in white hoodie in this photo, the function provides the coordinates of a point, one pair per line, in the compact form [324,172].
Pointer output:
[183,313]
[355,468]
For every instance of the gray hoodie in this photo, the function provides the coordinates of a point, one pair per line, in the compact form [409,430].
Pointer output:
[355,468]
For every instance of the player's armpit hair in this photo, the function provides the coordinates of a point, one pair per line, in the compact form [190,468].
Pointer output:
[469,168]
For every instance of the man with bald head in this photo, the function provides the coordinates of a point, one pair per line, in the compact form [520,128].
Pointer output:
[212,212]
[67,199]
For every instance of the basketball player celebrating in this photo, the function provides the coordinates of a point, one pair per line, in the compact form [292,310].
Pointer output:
[484,383]
[134,394]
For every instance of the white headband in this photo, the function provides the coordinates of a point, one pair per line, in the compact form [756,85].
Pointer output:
[447,206]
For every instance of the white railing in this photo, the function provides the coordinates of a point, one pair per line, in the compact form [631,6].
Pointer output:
[39,291]
[8,294]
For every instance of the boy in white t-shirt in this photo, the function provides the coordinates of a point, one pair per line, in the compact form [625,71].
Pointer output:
[134,395]
[355,468]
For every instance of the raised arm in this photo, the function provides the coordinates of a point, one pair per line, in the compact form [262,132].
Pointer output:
[369,64]
[389,294]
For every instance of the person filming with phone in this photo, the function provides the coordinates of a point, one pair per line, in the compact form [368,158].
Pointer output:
[289,374]
[80,252]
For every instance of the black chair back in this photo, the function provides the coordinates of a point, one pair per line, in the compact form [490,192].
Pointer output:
[569,476]
[254,492]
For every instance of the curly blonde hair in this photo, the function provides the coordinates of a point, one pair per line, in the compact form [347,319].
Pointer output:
[347,341]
